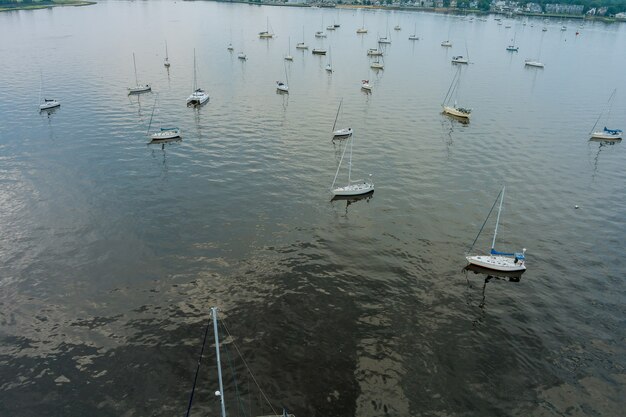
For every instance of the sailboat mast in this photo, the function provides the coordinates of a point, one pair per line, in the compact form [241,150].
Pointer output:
[337,116]
[135,66]
[195,81]
[219,366]
[495,232]
[338,167]
[601,113]
[152,115]
[41,86]
[450,89]
[166,58]
[350,161]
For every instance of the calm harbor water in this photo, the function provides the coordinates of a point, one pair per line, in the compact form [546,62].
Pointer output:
[112,251]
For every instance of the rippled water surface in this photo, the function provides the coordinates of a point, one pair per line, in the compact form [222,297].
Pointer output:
[112,251]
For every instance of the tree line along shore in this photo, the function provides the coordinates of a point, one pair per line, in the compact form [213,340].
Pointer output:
[9,5]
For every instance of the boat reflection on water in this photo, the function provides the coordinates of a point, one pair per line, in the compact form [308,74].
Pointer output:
[162,142]
[489,275]
[463,120]
[512,276]
[351,199]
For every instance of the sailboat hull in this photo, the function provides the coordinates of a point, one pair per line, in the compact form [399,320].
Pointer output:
[535,64]
[197,98]
[165,134]
[356,188]
[49,105]
[342,133]
[606,136]
[497,263]
[455,112]
[139,89]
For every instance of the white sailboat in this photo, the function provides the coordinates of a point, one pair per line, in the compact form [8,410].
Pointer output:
[460,59]
[365,85]
[302,45]
[454,110]
[329,64]
[499,261]
[289,57]
[512,47]
[167,60]
[446,43]
[242,56]
[199,96]
[138,89]
[266,34]
[362,28]
[353,187]
[533,63]
[397,27]
[377,65]
[343,132]
[164,133]
[374,52]
[48,103]
[385,40]
[283,87]
[414,36]
[606,134]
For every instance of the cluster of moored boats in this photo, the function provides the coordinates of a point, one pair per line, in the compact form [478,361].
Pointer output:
[508,262]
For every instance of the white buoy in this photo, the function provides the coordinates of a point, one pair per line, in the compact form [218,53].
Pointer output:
[218,394]
[576,206]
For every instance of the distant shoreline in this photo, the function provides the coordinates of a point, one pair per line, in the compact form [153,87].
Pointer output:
[443,10]
[45,5]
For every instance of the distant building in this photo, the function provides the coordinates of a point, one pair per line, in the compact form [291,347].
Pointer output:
[621,15]
[533,8]
[453,4]
[439,4]
[602,11]
[564,8]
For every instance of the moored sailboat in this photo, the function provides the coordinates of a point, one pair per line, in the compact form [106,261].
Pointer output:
[454,110]
[606,134]
[499,261]
[164,133]
[353,187]
[289,57]
[343,132]
[138,89]
[198,97]
[167,59]
[266,34]
[283,87]
[48,103]
[302,45]
[362,28]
